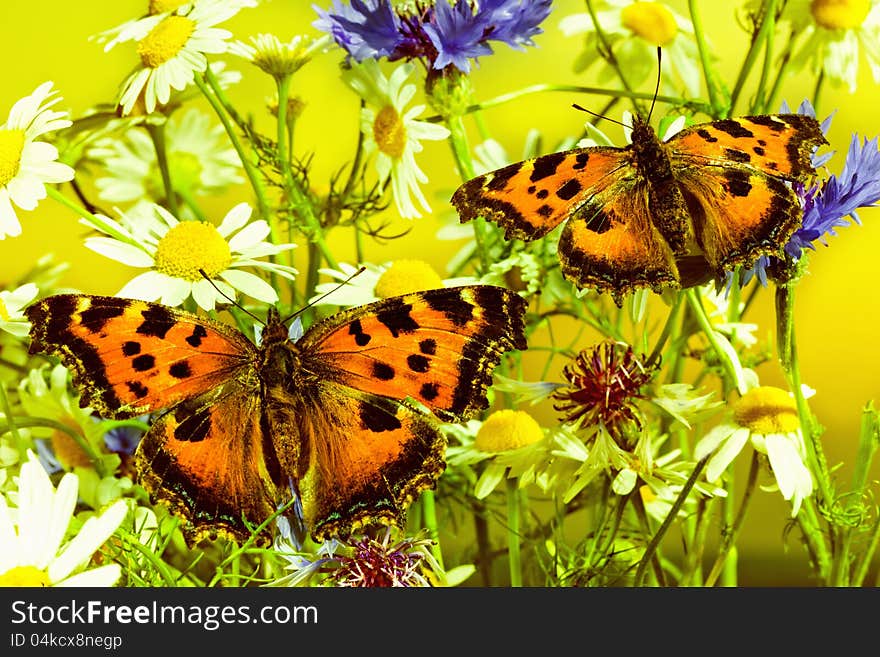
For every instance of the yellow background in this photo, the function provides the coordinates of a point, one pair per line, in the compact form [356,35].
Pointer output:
[837,306]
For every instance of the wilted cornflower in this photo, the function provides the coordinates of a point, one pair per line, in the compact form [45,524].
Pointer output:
[604,384]
[441,33]
[377,563]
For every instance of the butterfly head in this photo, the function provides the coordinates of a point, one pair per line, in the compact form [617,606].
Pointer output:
[275,331]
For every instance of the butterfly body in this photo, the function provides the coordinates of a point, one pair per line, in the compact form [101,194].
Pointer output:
[344,419]
[721,190]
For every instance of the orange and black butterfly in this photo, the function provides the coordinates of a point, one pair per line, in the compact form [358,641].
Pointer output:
[720,192]
[344,419]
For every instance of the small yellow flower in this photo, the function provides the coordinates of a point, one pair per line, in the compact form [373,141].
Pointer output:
[405,276]
[507,429]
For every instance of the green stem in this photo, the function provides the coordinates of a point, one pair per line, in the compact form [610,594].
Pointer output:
[771,103]
[94,219]
[817,90]
[669,519]
[726,559]
[764,31]
[211,90]
[429,518]
[699,313]
[708,69]
[645,524]
[157,135]
[514,549]
[484,554]
[666,332]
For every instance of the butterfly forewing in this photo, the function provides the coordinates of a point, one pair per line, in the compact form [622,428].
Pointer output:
[132,357]
[438,347]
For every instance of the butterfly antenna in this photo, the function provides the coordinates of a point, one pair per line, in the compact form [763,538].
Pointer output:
[599,116]
[657,86]
[230,299]
[324,296]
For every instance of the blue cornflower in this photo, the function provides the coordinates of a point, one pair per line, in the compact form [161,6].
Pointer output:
[442,34]
[828,204]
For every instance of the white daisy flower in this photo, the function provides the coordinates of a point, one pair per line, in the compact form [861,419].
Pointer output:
[26,165]
[200,161]
[12,319]
[174,251]
[767,417]
[718,311]
[634,30]
[834,33]
[392,132]
[276,58]
[379,282]
[32,535]
[174,49]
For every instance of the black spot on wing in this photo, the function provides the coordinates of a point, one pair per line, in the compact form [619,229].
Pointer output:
[180,370]
[599,222]
[383,371]
[542,194]
[95,317]
[502,176]
[758,150]
[706,135]
[418,363]
[733,128]
[429,391]
[143,362]
[545,211]
[580,160]
[768,122]
[546,165]
[138,389]
[737,155]
[376,419]
[451,304]
[195,338]
[569,190]
[361,339]
[131,348]
[157,322]
[737,182]
[428,346]
[396,318]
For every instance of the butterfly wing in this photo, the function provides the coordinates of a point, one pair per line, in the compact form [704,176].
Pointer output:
[210,460]
[530,198]
[132,357]
[735,177]
[370,447]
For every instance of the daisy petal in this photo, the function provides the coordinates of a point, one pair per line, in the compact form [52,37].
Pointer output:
[250,284]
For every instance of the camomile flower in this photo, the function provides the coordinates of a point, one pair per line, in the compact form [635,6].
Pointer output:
[634,31]
[378,282]
[835,33]
[174,49]
[33,551]
[12,303]
[767,417]
[276,58]
[26,164]
[392,132]
[200,160]
[174,251]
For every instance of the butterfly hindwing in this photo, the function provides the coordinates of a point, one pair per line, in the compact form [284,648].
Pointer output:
[370,456]
[209,460]
[438,347]
[132,357]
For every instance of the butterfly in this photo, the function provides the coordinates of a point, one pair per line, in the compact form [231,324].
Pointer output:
[718,192]
[343,419]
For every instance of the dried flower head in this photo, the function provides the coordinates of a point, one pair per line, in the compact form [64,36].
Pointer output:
[377,562]
[603,385]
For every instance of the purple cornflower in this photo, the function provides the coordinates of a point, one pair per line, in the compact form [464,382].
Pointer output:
[444,33]
[828,205]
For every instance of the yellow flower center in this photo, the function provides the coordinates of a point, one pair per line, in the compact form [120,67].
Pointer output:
[11,146]
[405,276]
[507,429]
[165,40]
[840,14]
[765,410]
[389,132]
[651,21]
[66,447]
[165,6]
[4,311]
[25,576]
[190,246]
